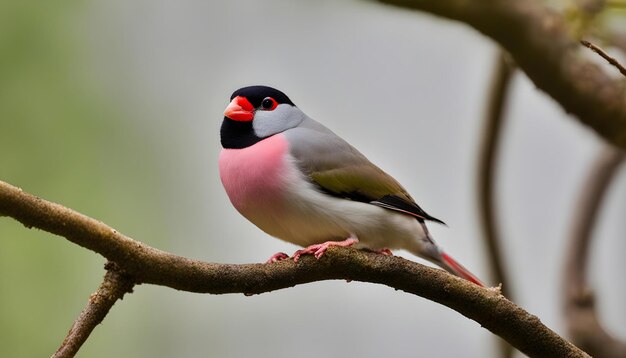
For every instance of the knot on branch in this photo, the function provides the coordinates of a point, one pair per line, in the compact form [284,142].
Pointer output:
[116,283]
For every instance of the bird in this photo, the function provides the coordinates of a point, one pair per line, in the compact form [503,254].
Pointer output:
[298,181]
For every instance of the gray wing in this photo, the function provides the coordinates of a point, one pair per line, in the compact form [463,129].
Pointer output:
[339,169]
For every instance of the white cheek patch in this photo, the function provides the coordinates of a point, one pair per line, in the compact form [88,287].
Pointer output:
[283,117]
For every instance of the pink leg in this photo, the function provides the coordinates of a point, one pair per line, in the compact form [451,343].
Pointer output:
[279,256]
[319,249]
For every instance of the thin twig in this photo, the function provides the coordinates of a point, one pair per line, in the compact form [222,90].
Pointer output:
[579,306]
[148,265]
[605,56]
[486,176]
[114,286]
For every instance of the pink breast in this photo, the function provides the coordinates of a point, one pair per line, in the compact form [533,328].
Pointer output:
[253,176]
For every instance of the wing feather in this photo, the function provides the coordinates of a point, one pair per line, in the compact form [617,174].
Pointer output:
[339,169]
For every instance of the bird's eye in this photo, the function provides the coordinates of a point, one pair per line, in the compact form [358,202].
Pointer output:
[269,104]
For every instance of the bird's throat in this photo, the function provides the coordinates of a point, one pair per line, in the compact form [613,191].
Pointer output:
[237,134]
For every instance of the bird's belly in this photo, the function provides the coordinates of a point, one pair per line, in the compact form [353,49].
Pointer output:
[310,216]
[314,217]
[253,176]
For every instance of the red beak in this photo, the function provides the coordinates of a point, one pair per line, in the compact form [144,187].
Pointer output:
[239,109]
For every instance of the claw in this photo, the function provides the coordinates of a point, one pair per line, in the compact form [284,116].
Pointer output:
[279,256]
[318,250]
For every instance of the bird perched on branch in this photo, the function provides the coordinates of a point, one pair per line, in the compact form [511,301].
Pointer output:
[300,182]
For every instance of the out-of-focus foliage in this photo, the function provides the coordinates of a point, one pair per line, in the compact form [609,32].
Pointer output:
[597,19]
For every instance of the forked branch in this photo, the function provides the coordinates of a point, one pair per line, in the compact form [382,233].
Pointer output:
[114,286]
[144,264]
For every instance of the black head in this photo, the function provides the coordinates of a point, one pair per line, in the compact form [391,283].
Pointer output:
[255,113]
[256,95]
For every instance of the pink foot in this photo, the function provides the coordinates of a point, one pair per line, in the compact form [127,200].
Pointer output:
[279,256]
[319,249]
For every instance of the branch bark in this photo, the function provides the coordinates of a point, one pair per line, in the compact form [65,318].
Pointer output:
[115,285]
[144,264]
[580,312]
[541,45]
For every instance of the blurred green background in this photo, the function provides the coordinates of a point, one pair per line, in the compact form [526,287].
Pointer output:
[62,139]
[113,109]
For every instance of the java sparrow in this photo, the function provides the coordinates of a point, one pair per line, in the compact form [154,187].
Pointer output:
[300,182]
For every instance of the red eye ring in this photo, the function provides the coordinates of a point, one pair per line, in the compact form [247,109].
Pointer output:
[269,104]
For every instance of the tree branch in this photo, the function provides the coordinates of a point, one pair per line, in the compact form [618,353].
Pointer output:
[115,285]
[541,45]
[579,308]
[144,264]
[494,120]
